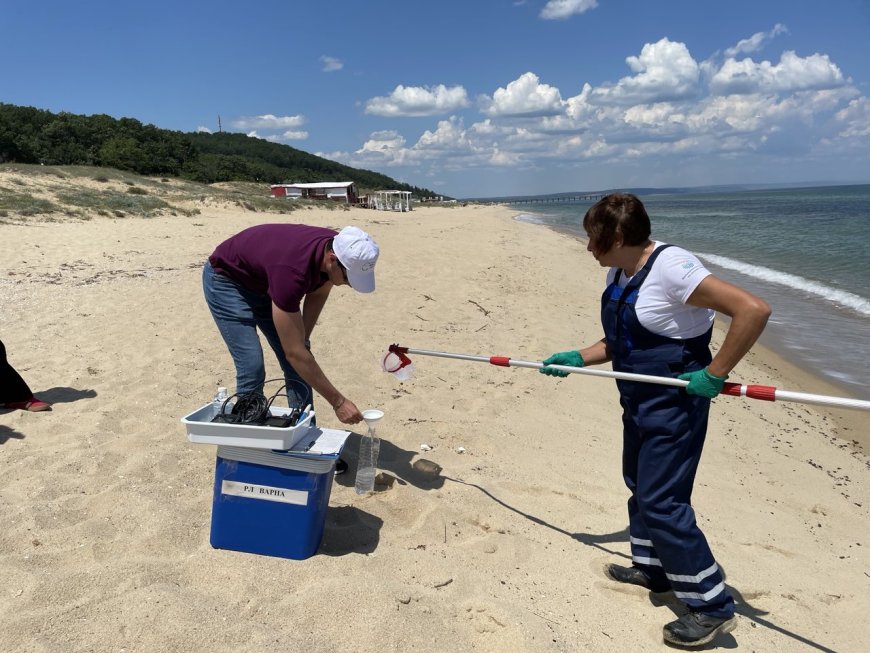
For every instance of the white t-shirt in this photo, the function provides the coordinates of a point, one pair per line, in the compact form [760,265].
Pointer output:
[661,303]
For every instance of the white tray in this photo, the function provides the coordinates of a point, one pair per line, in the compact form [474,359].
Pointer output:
[313,464]
[202,430]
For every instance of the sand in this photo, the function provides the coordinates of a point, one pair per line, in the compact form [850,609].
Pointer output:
[105,506]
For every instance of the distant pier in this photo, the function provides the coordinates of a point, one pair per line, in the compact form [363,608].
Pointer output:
[585,197]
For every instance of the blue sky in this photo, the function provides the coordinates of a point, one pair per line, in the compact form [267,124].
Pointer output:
[476,97]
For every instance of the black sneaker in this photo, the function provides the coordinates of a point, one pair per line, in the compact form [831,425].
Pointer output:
[635,576]
[697,629]
[340,467]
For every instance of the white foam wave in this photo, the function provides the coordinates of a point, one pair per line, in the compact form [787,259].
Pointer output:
[847,299]
[530,217]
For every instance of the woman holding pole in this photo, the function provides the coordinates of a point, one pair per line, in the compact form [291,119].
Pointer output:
[657,312]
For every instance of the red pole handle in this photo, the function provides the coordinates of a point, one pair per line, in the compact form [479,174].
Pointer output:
[762,392]
[501,361]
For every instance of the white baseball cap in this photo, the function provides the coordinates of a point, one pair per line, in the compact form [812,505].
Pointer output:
[358,253]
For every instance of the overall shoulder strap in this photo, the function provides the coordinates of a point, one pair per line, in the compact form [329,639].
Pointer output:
[630,292]
[652,258]
[638,279]
[632,287]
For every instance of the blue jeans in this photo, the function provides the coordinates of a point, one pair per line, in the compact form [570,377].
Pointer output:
[238,313]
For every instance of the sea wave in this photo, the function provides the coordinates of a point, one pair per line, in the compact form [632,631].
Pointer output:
[841,297]
[532,218]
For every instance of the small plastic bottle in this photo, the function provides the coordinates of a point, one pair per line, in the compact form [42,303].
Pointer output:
[369,448]
[376,450]
[218,401]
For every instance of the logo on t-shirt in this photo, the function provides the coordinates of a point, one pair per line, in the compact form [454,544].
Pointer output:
[687,265]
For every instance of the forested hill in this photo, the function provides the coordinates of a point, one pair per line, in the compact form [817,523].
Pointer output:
[283,163]
[29,135]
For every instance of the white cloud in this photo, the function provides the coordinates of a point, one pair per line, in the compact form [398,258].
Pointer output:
[743,113]
[330,64]
[855,118]
[792,73]
[268,121]
[756,41]
[579,108]
[661,115]
[524,97]
[485,127]
[562,9]
[449,146]
[665,114]
[665,71]
[384,142]
[386,148]
[449,136]
[505,159]
[418,101]
[203,130]
[289,135]
[337,155]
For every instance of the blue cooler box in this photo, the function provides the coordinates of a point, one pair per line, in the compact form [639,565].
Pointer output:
[270,502]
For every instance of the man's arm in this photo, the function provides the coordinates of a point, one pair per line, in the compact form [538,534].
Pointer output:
[291,331]
[313,305]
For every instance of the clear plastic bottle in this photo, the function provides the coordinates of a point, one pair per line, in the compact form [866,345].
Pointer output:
[369,448]
[376,450]
[218,401]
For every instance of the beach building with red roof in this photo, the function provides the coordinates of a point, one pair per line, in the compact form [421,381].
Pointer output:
[318,190]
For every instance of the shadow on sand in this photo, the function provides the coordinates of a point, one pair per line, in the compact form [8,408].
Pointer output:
[65,395]
[350,529]
[8,433]
[394,461]
[743,607]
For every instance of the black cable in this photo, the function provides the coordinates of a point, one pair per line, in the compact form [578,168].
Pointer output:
[249,408]
[254,407]
[305,390]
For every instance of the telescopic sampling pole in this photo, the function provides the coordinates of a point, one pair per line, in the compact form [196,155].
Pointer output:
[762,392]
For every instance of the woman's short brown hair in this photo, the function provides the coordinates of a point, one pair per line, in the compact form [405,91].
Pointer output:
[617,213]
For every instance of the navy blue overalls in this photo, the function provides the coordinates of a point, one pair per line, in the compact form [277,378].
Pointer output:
[663,435]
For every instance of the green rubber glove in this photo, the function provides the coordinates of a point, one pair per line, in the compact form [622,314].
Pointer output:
[702,383]
[569,358]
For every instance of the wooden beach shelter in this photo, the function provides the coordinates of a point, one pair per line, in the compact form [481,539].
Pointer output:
[391,200]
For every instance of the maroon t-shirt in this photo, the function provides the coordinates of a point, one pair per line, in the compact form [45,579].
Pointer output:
[278,260]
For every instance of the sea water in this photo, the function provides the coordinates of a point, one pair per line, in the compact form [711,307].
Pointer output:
[803,250]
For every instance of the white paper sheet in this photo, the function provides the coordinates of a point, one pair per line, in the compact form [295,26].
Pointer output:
[322,441]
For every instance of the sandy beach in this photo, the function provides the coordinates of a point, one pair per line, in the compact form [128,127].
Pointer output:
[106,506]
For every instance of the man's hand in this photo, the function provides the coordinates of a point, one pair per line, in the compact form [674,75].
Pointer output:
[702,383]
[568,358]
[347,412]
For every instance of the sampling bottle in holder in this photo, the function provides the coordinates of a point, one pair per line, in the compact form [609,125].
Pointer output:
[365,472]
[397,364]
[369,449]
